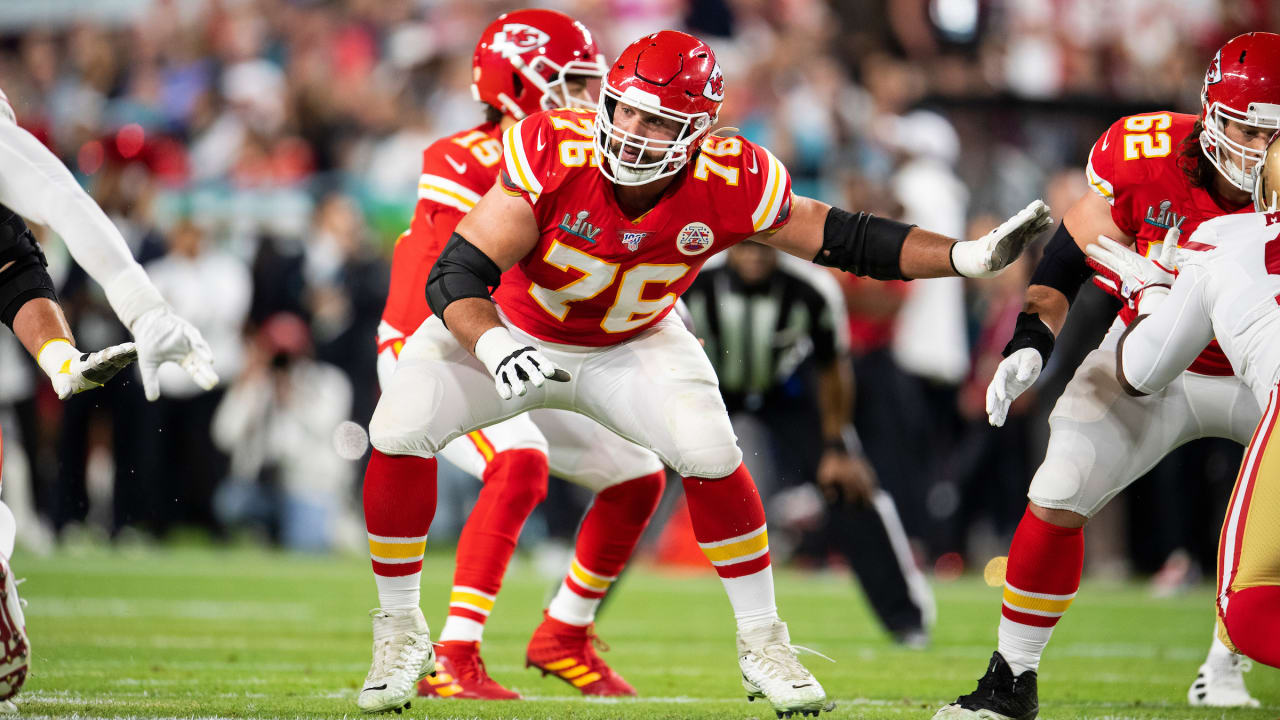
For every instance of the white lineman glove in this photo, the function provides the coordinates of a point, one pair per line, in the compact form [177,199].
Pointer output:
[72,371]
[1139,282]
[1013,376]
[993,252]
[164,337]
[512,364]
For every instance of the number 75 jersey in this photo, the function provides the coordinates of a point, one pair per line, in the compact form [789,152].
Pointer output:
[598,277]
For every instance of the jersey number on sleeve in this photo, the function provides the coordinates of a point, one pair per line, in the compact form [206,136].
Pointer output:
[629,311]
[1143,137]
[718,147]
[576,153]
[485,149]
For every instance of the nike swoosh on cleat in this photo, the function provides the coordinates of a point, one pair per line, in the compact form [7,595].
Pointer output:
[797,687]
[383,686]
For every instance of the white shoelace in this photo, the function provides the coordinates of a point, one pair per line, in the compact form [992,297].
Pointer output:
[786,665]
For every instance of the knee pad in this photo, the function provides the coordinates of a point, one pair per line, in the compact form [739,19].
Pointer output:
[703,441]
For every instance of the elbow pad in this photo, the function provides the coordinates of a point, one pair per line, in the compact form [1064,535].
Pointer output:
[1063,266]
[25,278]
[461,271]
[863,244]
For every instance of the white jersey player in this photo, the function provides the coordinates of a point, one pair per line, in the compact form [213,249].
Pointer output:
[1231,293]
[35,185]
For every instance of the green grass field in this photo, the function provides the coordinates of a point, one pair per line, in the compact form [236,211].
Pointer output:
[239,633]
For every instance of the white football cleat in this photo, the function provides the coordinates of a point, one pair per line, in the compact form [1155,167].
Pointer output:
[15,650]
[770,670]
[1220,683]
[402,655]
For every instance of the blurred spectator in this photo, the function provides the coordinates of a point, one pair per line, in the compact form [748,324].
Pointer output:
[211,289]
[278,423]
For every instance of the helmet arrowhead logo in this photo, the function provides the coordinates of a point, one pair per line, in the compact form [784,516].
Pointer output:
[518,38]
[714,89]
[1214,73]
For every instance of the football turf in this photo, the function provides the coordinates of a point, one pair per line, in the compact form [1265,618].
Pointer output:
[246,633]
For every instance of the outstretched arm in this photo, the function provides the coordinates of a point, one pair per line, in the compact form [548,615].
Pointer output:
[889,250]
[36,185]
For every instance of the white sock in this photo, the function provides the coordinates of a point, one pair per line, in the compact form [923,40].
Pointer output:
[571,608]
[1022,645]
[8,530]
[399,593]
[1218,652]
[752,599]
[461,629]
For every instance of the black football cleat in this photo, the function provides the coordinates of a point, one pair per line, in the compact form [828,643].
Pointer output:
[1000,696]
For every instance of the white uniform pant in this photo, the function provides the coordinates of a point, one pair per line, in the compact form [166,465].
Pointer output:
[1101,439]
[579,449]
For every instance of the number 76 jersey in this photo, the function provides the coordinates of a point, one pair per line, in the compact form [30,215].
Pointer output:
[598,277]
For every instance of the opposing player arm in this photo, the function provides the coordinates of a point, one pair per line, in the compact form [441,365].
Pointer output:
[40,188]
[865,244]
[1156,348]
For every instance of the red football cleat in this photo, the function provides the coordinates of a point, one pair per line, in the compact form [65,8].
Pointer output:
[460,674]
[569,653]
[15,651]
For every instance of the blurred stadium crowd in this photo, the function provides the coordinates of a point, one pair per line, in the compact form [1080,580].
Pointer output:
[261,156]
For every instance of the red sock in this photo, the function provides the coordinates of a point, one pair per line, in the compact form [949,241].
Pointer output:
[1041,580]
[728,522]
[515,481]
[399,503]
[1253,623]
[608,536]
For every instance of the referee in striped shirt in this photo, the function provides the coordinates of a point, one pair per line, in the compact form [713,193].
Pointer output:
[774,328]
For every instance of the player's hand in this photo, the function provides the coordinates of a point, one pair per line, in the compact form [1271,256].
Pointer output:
[71,371]
[844,478]
[995,251]
[1139,282]
[1013,376]
[512,364]
[164,337]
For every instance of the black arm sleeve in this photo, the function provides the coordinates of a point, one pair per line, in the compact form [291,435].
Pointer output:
[26,277]
[1063,266]
[863,244]
[461,271]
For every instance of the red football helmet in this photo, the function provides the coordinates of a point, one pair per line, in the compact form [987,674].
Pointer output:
[523,58]
[1241,84]
[669,74]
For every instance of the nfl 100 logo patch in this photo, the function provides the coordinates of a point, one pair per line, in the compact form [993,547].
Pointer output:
[632,238]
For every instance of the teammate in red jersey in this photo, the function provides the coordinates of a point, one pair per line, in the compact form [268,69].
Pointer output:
[601,222]
[525,61]
[1149,173]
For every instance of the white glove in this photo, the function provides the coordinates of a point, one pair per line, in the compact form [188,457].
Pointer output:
[1139,282]
[164,337]
[993,252]
[512,364]
[1013,376]
[72,371]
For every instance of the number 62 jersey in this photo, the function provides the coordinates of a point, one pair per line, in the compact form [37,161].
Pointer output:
[597,277]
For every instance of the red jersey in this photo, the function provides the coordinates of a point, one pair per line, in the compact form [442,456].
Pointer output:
[598,277]
[456,171]
[1135,167]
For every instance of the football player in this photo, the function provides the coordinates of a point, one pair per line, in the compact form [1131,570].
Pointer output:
[1229,294]
[35,185]
[1148,173]
[600,220]
[526,61]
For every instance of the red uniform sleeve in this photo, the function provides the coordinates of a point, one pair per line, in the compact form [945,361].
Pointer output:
[765,183]
[530,165]
[1114,176]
